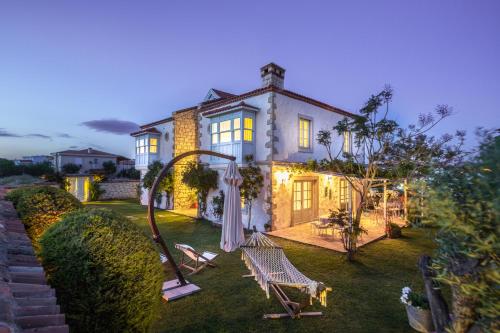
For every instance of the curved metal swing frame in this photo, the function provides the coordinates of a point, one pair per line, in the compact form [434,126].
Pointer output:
[151,207]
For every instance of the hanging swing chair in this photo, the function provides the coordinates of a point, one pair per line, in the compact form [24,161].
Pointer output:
[179,287]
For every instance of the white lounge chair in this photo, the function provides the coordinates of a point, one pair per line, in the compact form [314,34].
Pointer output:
[200,260]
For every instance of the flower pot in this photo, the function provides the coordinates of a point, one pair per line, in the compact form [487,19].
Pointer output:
[420,319]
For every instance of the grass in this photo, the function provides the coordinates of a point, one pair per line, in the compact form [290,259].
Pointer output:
[365,295]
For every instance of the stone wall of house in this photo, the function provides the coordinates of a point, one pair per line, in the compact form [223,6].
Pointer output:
[185,139]
[119,189]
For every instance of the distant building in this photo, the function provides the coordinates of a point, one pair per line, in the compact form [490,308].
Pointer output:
[88,159]
[35,159]
[125,164]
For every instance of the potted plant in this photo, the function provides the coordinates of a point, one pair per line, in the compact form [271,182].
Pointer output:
[417,309]
[267,227]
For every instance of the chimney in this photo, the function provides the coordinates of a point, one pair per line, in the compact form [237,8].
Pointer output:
[272,75]
[89,150]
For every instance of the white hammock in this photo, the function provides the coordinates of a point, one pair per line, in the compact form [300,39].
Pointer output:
[268,263]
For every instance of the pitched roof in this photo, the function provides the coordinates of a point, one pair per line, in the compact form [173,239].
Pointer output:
[223,94]
[150,130]
[230,98]
[284,92]
[87,151]
[230,107]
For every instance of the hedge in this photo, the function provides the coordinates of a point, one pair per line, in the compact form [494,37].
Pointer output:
[106,271]
[41,206]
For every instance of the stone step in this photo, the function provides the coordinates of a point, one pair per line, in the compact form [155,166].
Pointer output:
[15,228]
[22,260]
[31,290]
[34,310]
[35,301]
[28,277]
[27,286]
[25,269]
[20,242]
[48,329]
[19,249]
[18,236]
[40,321]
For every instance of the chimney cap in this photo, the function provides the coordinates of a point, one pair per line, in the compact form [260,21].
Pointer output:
[272,68]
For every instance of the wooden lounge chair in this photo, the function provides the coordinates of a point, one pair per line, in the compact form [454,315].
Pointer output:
[195,261]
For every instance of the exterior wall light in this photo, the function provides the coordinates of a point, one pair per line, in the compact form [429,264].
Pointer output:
[282,177]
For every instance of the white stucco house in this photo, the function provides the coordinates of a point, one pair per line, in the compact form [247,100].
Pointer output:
[88,159]
[276,126]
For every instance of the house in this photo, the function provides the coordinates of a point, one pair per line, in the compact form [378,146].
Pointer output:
[88,159]
[276,126]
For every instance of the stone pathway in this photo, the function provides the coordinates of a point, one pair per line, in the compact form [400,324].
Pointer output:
[27,303]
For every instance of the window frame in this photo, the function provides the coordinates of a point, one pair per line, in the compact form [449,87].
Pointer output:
[302,148]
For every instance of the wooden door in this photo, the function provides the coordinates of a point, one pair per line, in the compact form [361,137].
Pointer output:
[304,201]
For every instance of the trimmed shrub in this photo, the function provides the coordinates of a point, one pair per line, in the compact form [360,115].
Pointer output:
[106,271]
[41,206]
[15,195]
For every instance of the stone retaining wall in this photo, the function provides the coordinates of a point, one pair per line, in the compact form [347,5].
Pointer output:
[119,189]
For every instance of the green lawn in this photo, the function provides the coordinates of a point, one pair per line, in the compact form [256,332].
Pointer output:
[365,295]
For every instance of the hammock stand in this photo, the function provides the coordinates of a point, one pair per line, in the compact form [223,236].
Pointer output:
[178,288]
[272,270]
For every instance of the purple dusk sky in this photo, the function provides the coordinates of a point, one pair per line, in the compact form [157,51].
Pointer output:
[84,74]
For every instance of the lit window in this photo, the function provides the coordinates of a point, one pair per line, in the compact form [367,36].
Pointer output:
[153,145]
[225,131]
[347,142]
[237,130]
[343,194]
[225,137]
[225,125]
[248,129]
[215,135]
[304,133]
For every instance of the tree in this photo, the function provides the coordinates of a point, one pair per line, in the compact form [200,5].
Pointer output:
[375,137]
[8,168]
[109,167]
[71,168]
[201,179]
[251,185]
[463,202]
[166,186]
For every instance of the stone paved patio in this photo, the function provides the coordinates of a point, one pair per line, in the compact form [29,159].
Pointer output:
[304,233]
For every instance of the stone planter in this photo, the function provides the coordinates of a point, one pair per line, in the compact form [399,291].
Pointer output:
[419,319]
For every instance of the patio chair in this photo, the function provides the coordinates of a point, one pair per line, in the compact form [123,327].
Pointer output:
[320,227]
[195,261]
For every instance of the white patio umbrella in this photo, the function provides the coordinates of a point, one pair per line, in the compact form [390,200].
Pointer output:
[232,227]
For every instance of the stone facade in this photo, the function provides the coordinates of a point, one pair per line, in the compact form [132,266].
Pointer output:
[185,139]
[119,189]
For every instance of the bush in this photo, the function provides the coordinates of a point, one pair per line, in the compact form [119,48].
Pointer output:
[15,195]
[109,167]
[38,169]
[106,271]
[41,206]
[8,168]
[131,173]
[71,168]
